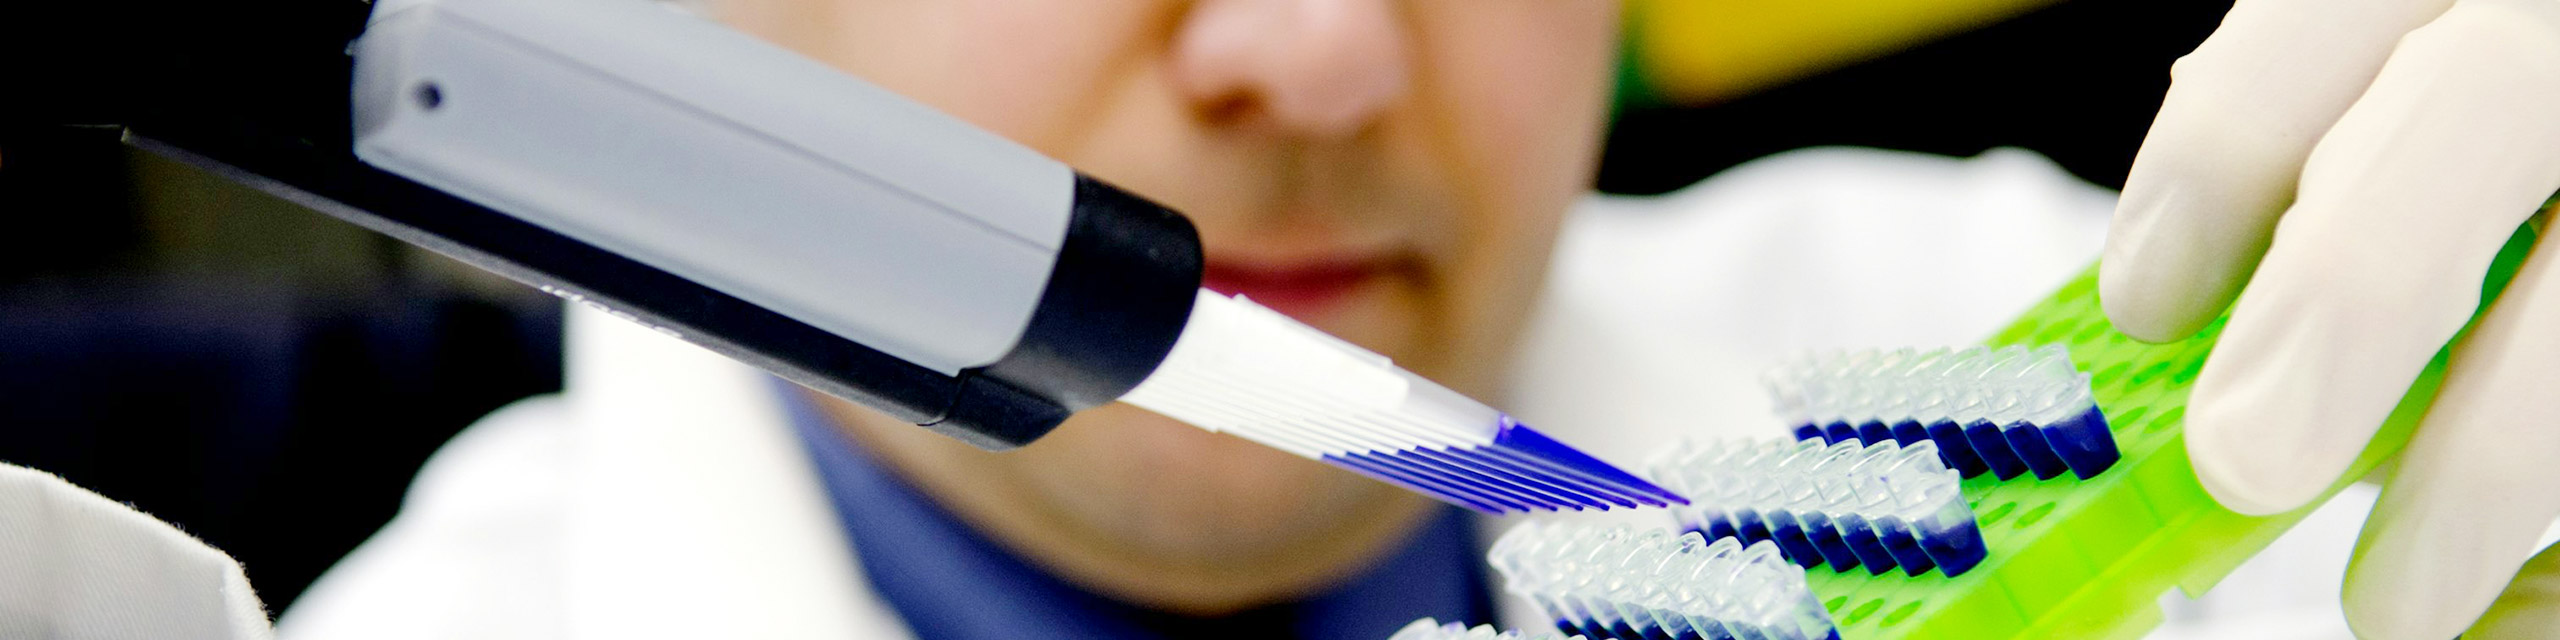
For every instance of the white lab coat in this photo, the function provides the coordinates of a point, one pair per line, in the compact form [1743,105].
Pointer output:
[662,495]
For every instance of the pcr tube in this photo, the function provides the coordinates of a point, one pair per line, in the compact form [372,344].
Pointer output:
[2006,411]
[1429,629]
[1622,584]
[1880,506]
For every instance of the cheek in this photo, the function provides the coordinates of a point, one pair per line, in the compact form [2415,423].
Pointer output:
[1026,69]
[1521,91]
[1175,489]
[1517,95]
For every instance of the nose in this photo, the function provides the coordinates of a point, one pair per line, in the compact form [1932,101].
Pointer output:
[1320,68]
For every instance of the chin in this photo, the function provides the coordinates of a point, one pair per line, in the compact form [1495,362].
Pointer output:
[1155,512]
[1152,511]
[1186,495]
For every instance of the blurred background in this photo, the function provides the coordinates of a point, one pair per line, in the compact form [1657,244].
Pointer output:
[269,378]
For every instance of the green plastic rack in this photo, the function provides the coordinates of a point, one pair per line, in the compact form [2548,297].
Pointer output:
[2073,558]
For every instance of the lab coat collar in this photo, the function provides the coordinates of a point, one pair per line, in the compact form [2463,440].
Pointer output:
[698,514]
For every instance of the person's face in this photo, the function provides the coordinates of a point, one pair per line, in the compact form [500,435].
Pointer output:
[1392,172]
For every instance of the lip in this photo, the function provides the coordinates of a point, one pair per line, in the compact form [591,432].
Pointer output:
[1305,288]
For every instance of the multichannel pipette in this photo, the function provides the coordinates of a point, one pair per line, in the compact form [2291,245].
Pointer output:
[630,157]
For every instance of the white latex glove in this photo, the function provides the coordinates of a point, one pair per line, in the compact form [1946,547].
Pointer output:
[2367,158]
[76,566]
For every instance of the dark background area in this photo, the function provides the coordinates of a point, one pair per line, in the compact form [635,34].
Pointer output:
[269,378]
[266,377]
[2077,82]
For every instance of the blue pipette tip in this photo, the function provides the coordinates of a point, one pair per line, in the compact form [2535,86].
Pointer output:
[1520,470]
[1519,438]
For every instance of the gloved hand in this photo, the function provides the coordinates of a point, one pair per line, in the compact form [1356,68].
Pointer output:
[76,566]
[2366,158]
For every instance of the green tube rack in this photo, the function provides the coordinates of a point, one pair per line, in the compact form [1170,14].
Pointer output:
[2073,558]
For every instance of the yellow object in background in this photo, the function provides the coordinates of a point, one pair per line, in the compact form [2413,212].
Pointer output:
[1696,51]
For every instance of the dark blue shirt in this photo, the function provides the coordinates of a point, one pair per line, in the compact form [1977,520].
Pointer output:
[951,583]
